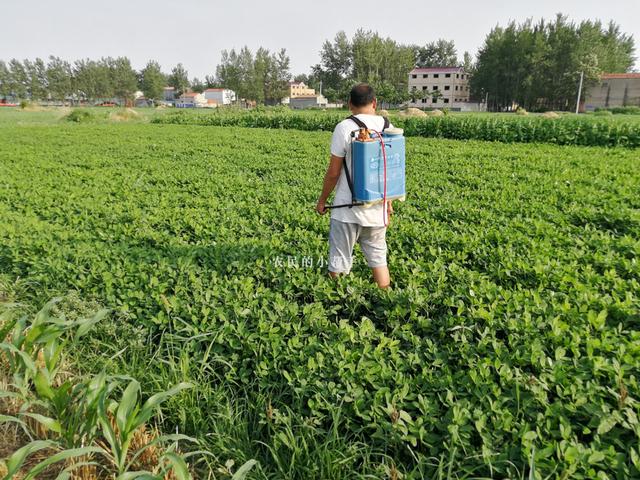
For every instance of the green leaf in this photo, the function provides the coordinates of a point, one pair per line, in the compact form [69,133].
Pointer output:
[126,407]
[243,471]
[179,466]
[174,437]
[85,325]
[596,457]
[154,401]
[64,455]
[141,475]
[11,419]
[49,423]
[26,359]
[15,461]
[43,388]
[606,424]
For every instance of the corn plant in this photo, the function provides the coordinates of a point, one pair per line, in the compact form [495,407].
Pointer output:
[74,413]
[119,420]
[568,130]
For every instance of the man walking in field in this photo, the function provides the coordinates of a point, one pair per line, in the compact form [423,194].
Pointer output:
[365,225]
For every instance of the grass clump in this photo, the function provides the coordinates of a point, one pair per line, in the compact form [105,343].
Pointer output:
[80,115]
[124,115]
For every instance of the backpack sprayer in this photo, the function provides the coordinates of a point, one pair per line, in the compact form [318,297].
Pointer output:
[378,164]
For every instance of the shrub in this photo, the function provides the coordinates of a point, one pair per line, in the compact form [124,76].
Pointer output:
[80,115]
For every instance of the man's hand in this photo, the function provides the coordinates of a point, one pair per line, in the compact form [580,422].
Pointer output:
[329,183]
[321,207]
[389,211]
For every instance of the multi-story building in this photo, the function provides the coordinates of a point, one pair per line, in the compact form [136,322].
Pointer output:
[439,87]
[614,90]
[299,89]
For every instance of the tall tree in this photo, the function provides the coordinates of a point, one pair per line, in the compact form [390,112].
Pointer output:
[228,71]
[467,62]
[538,65]
[210,81]
[124,78]
[441,53]
[18,79]
[280,76]
[197,85]
[93,79]
[152,81]
[5,79]
[335,68]
[179,79]
[247,88]
[262,77]
[59,78]
[367,57]
[37,84]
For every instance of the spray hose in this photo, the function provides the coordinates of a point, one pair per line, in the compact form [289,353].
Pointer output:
[385,216]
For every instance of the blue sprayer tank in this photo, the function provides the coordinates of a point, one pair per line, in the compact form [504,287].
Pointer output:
[368,168]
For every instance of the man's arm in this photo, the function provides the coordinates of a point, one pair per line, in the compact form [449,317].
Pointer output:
[329,183]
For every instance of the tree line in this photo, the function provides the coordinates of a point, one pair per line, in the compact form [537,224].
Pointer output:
[262,77]
[538,65]
[382,62]
[534,65]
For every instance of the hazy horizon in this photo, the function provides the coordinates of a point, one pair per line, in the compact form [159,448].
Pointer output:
[198,31]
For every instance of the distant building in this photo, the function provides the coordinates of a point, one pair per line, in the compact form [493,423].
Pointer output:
[142,102]
[191,100]
[169,94]
[441,87]
[219,96]
[308,101]
[299,89]
[614,90]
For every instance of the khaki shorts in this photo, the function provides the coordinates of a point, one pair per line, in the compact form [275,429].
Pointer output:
[342,238]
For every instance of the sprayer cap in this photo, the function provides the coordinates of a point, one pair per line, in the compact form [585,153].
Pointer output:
[394,131]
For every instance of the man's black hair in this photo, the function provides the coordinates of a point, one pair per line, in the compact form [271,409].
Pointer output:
[362,95]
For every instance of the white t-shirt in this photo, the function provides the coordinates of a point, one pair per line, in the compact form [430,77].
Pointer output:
[367,216]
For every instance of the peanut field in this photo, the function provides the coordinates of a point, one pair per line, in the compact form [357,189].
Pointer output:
[507,347]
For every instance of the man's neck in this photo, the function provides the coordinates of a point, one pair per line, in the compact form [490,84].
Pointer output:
[369,110]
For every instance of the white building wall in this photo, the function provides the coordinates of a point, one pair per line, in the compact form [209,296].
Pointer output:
[451,84]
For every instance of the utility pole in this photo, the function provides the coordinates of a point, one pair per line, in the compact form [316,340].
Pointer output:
[579,92]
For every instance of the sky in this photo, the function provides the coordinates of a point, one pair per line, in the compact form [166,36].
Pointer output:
[194,32]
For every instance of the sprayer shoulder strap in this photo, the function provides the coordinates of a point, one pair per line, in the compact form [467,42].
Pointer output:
[361,124]
[357,121]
